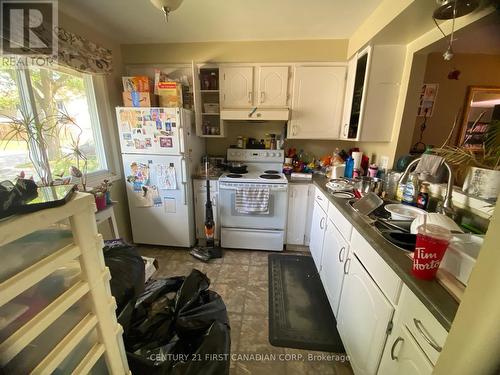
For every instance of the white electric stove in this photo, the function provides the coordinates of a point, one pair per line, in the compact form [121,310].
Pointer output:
[256,231]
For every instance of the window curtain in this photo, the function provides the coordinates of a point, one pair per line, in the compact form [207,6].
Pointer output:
[79,53]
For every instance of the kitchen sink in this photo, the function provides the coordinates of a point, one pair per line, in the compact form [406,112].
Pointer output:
[396,232]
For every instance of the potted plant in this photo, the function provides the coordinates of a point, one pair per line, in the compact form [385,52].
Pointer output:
[481,168]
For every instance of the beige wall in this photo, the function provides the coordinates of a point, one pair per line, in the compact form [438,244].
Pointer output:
[476,70]
[266,51]
[113,85]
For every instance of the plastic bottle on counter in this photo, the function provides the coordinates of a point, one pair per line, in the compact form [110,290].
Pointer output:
[349,167]
[372,170]
[240,143]
[411,190]
[423,196]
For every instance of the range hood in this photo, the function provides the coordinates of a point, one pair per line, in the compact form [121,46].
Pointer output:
[256,114]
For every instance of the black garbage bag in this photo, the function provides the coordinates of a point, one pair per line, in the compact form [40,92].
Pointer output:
[127,272]
[178,327]
[207,354]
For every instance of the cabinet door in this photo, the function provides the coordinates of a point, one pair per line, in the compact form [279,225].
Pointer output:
[349,90]
[297,207]
[402,355]
[318,227]
[237,86]
[353,115]
[318,94]
[273,87]
[335,253]
[197,99]
[363,317]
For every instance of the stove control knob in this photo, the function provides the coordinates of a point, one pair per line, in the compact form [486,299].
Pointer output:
[267,154]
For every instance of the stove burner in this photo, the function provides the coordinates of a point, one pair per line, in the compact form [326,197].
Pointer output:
[270,176]
[234,175]
[271,172]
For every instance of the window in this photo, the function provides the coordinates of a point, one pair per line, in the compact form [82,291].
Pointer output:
[62,104]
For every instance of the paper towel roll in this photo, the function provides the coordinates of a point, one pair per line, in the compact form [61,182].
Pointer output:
[357,159]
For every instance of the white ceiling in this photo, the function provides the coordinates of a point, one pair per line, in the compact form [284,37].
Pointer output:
[138,21]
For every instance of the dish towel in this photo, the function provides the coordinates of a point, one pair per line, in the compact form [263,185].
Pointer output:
[252,200]
[429,163]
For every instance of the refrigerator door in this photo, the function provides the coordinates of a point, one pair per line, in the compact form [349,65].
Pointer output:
[159,198]
[150,130]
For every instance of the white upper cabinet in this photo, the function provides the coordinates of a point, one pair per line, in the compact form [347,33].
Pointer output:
[237,86]
[363,317]
[273,87]
[260,86]
[372,93]
[318,94]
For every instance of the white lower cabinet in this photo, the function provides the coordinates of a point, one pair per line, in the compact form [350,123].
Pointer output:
[318,227]
[297,218]
[402,355]
[335,253]
[363,318]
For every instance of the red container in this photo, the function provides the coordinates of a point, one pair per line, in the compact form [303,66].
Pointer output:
[100,202]
[432,242]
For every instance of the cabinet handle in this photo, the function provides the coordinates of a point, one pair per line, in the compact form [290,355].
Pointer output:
[319,198]
[250,97]
[393,357]
[346,270]
[294,129]
[340,253]
[346,127]
[322,223]
[262,96]
[427,337]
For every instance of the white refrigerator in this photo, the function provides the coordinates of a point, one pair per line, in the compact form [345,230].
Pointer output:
[160,151]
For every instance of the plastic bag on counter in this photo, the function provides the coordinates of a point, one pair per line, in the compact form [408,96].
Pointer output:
[127,272]
[178,326]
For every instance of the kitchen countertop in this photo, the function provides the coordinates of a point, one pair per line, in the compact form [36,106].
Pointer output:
[437,300]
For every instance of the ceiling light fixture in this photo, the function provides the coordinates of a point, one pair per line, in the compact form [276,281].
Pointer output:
[167,6]
[450,10]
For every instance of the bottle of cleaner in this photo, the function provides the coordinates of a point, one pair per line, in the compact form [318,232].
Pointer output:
[349,167]
[411,190]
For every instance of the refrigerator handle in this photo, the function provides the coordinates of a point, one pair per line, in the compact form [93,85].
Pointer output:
[184,178]
[181,140]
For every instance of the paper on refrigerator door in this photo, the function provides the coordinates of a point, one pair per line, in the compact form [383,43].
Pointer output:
[166,177]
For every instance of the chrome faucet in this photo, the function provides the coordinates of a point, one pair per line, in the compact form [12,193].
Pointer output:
[446,208]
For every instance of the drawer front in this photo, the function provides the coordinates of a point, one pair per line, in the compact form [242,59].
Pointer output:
[339,220]
[384,276]
[321,199]
[426,330]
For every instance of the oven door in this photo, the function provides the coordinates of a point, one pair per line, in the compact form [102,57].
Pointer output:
[274,219]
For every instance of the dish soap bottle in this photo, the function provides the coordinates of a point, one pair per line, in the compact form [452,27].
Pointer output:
[423,196]
[411,190]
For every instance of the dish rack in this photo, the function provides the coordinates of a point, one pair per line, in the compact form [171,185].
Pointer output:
[57,315]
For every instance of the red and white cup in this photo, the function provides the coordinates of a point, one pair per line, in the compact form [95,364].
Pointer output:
[432,242]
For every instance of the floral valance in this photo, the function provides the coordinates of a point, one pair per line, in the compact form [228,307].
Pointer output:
[78,53]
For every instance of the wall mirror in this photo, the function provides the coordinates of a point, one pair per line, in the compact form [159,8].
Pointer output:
[482,105]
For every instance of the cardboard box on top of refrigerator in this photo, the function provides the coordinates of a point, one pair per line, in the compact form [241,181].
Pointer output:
[139,99]
[170,94]
[137,83]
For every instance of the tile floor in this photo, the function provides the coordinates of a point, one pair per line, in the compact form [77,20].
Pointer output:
[241,278]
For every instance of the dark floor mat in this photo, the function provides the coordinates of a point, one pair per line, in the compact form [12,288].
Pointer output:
[299,312]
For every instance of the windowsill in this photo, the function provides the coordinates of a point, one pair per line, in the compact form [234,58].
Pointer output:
[97,178]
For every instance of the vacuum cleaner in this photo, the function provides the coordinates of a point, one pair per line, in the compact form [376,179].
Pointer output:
[209,251]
